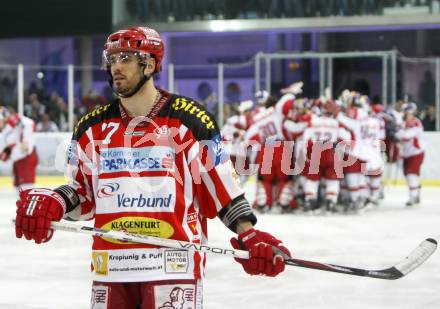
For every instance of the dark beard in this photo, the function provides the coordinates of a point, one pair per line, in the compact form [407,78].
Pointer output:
[122,90]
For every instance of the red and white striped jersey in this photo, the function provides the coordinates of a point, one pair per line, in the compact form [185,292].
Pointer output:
[374,143]
[312,128]
[355,121]
[19,131]
[321,129]
[411,136]
[268,124]
[161,175]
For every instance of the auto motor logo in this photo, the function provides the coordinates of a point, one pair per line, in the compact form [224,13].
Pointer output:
[108,189]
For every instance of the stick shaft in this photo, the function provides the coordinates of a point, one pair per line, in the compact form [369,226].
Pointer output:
[411,262]
[150,240]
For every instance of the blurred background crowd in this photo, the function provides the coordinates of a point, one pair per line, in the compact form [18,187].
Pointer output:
[45,95]
[190,10]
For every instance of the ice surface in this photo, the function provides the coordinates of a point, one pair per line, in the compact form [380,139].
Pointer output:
[56,274]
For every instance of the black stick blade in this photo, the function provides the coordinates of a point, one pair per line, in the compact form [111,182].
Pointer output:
[416,258]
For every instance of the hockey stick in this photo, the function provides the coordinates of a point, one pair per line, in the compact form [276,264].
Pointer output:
[416,258]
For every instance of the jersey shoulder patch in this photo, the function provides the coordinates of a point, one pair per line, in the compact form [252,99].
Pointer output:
[96,116]
[193,115]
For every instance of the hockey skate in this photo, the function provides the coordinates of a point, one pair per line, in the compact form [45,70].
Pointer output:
[285,209]
[413,201]
[262,208]
[330,206]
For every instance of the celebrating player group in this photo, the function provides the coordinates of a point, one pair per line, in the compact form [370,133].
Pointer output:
[323,155]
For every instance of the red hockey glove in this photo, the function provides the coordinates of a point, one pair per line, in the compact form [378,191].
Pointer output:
[266,253]
[36,209]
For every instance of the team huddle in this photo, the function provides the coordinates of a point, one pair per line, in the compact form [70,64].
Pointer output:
[322,154]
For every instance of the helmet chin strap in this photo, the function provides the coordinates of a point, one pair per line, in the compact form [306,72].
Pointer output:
[139,85]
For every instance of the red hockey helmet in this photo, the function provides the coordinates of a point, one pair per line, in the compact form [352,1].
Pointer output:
[377,108]
[142,40]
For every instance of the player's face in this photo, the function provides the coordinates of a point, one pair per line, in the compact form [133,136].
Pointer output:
[408,116]
[125,70]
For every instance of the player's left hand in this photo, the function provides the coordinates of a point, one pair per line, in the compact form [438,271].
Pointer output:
[266,253]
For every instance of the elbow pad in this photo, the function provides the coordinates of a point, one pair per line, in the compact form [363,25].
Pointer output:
[238,209]
[69,195]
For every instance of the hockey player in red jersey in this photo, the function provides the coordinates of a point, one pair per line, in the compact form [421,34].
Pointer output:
[318,135]
[355,122]
[411,137]
[274,156]
[235,127]
[18,146]
[151,163]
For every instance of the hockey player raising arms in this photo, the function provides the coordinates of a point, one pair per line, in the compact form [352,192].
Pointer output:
[151,163]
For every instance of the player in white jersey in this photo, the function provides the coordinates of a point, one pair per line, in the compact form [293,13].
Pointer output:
[235,127]
[410,136]
[317,137]
[273,157]
[150,163]
[250,111]
[355,121]
[17,134]
[375,164]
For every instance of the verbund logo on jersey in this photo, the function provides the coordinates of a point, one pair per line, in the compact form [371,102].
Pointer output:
[164,203]
[157,158]
[142,201]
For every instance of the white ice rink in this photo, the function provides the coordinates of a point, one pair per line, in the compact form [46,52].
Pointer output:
[56,274]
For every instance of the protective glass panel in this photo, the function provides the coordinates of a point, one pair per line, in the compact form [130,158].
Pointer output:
[363,75]
[417,84]
[238,86]
[284,72]
[199,83]
[8,86]
[45,97]
[91,90]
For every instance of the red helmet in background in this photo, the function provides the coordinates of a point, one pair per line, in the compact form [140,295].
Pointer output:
[142,40]
[377,108]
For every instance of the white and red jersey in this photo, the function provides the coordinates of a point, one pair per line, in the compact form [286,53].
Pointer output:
[321,129]
[269,123]
[266,127]
[355,121]
[312,128]
[18,134]
[375,143]
[233,137]
[411,136]
[162,175]
[244,121]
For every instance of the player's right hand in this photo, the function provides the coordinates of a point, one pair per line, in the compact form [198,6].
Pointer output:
[266,253]
[36,209]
